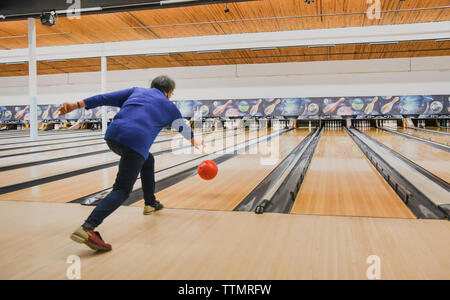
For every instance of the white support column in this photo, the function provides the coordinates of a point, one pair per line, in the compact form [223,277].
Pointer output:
[104,88]
[32,78]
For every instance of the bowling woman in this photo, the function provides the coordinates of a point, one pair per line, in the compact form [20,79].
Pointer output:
[143,114]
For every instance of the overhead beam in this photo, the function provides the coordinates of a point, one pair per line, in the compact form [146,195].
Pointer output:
[261,40]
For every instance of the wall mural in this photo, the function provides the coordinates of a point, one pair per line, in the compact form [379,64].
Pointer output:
[320,107]
[21,113]
[264,107]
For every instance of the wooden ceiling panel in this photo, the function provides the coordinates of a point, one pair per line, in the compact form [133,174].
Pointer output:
[444,15]
[387,18]
[47,71]
[186,30]
[244,17]
[345,13]
[178,22]
[343,21]
[410,4]
[5,68]
[296,15]
[81,69]
[290,54]
[263,53]
[443,45]
[13,73]
[408,17]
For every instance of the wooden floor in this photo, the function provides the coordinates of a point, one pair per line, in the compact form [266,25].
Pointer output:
[341,181]
[190,244]
[429,136]
[212,243]
[430,158]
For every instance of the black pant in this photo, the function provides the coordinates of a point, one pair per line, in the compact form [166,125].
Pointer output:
[130,165]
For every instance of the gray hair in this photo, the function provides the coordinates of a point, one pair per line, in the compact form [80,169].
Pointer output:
[163,83]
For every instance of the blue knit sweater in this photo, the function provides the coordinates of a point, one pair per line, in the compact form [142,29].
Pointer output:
[143,113]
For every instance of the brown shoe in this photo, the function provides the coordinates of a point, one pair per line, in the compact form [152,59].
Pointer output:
[91,238]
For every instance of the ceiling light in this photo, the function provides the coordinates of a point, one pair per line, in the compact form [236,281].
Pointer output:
[266,48]
[383,43]
[15,63]
[157,54]
[209,51]
[323,45]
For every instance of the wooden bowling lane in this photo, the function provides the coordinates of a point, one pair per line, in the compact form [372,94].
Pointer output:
[341,181]
[66,142]
[440,129]
[426,135]
[236,178]
[55,168]
[30,173]
[80,145]
[216,245]
[26,134]
[434,160]
[29,145]
[66,153]
[14,140]
[42,157]
[49,148]
[75,187]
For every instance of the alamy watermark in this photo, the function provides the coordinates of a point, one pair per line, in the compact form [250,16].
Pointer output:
[374,270]
[374,10]
[74,10]
[74,270]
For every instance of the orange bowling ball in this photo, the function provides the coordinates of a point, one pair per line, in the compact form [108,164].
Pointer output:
[207,170]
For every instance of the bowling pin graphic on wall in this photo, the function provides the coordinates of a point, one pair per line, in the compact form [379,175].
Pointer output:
[46,112]
[255,108]
[369,107]
[219,110]
[388,107]
[270,109]
[330,108]
[21,113]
